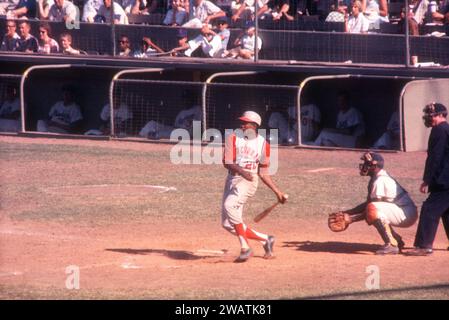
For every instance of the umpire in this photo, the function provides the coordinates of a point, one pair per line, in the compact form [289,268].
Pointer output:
[435,180]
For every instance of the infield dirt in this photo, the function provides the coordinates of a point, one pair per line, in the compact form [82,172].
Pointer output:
[140,227]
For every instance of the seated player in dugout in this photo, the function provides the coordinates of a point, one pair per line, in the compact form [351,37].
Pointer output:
[10,110]
[349,129]
[65,115]
[387,205]
[287,123]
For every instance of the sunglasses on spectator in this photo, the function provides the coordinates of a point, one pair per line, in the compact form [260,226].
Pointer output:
[123,41]
[42,31]
[11,26]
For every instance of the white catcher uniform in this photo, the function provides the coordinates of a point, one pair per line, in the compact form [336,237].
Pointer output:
[398,209]
[248,154]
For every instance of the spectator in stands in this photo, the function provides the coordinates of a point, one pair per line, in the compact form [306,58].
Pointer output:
[178,13]
[204,12]
[128,5]
[281,10]
[10,111]
[208,40]
[417,15]
[442,13]
[43,8]
[64,116]
[337,14]
[124,47]
[182,41]
[349,129]
[66,45]
[247,8]
[224,5]
[11,39]
[7,6]
[24,9]
[145,6]
[245,44]
[90,10]
[357,23]
[223,32]
[147,49]
[47,44]
[27,42]
[391,138]
[120,16]
[122,119]
[184,120]
[376,11]
[63,11]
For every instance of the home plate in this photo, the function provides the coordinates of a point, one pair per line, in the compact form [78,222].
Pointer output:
[207,252]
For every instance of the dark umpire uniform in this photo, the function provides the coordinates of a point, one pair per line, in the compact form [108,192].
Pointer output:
[436,178]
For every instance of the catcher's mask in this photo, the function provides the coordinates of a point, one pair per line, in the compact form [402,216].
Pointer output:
[432,110]
[371,161]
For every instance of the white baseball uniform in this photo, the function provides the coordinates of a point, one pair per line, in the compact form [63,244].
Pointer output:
[351,118]
[249,154]
[310,116]
[9,107]
[396,207]
[63,114]
[183,120]
[390,139]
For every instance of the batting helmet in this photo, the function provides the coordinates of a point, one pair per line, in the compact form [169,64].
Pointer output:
[371,161]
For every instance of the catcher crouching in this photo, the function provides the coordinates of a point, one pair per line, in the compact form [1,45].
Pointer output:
[388,205]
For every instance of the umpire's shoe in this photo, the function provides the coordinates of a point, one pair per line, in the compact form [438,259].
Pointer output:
[268,247]
[419,252]
[388,249]
[244,255]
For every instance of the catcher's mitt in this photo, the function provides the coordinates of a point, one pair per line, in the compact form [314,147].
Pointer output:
[338,221]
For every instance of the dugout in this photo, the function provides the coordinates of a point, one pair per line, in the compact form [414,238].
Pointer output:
[414,96]
[376,97]
[42,88]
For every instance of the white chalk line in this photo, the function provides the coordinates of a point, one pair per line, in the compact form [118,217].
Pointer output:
[320,170]
[9,274]
[162,189]
[40,234]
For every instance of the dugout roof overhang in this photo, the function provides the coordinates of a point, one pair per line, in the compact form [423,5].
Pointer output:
[14,63]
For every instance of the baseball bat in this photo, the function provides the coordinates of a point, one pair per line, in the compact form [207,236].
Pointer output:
[267,211]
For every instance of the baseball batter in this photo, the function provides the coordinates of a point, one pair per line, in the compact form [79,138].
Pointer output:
[247,157]
[387,205]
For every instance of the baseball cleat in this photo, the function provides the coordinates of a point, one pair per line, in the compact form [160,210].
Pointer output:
[387,249]
[244,255]
[419,252]
[268,247]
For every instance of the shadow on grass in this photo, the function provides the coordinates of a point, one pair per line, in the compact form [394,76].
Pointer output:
[442,292]
[333,247]
[173,254]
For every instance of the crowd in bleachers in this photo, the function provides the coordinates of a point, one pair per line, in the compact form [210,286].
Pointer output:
[208,17]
